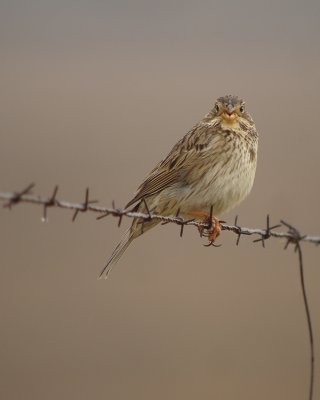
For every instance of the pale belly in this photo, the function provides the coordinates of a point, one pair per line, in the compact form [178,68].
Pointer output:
[222,189]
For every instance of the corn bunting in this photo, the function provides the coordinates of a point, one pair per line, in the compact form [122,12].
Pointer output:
[211,168]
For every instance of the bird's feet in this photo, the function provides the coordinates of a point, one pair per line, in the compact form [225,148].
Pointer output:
[214,227]
[212,232]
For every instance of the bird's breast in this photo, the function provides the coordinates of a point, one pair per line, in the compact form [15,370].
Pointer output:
[226,180]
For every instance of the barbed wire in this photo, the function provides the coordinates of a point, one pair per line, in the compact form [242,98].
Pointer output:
[25,196]
[292,235]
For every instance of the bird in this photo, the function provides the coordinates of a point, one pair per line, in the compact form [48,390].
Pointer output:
[207,172]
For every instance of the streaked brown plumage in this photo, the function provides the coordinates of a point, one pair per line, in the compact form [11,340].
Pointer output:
[213,165]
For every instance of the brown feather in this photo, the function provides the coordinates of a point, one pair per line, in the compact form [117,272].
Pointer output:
[155,184]
[171,170]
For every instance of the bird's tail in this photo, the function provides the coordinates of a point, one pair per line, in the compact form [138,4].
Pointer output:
[117,252]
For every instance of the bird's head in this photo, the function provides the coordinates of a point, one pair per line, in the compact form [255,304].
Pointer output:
[230,110]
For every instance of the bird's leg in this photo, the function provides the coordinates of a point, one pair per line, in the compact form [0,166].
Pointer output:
[214,224]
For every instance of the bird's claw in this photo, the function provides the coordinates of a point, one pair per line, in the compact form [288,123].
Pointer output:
[212,232]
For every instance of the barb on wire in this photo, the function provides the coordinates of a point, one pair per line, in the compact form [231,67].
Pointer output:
[84,206]
[267,235]
[147,207]
[17,196]
[49,203]
[239,233]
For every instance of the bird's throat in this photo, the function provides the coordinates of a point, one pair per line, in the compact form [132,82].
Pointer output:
[230,123]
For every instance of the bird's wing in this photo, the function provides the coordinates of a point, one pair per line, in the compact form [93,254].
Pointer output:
[173,168]
[155,184]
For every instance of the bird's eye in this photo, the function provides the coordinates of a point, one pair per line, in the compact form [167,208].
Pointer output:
[241,109]
[217,108]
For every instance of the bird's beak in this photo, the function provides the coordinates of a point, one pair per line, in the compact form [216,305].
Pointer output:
[230,109]
[229,114]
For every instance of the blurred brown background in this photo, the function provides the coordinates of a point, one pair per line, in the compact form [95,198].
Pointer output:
[93,94]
